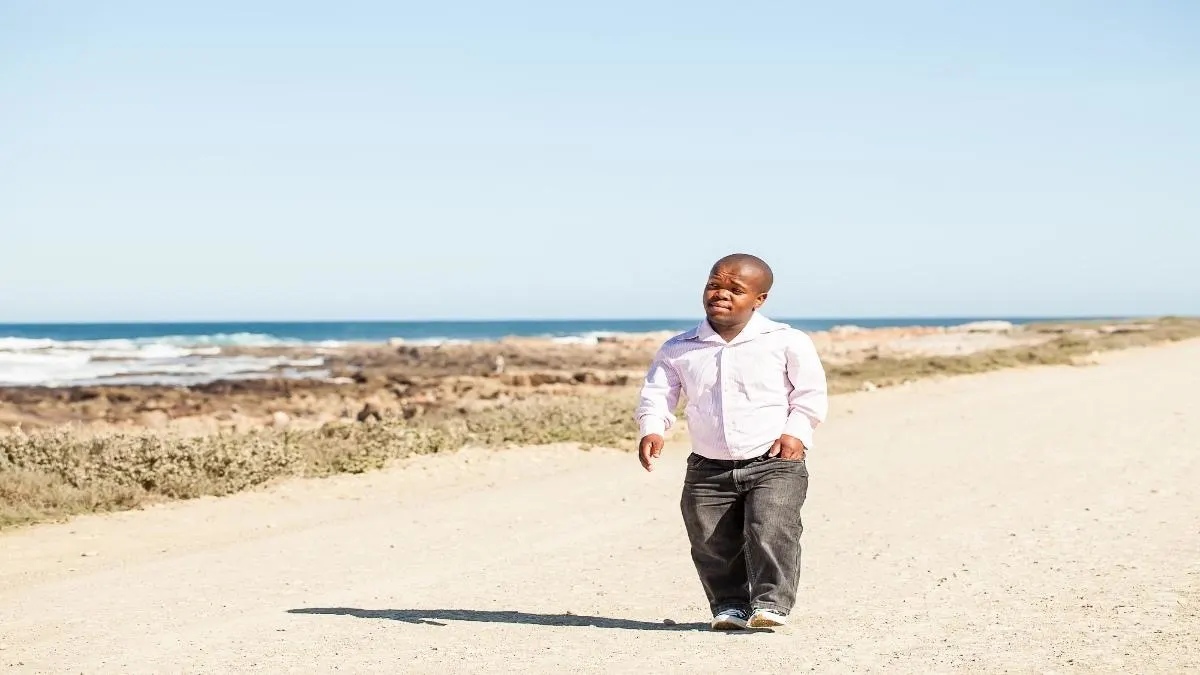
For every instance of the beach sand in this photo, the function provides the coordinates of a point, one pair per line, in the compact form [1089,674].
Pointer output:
[1036,520]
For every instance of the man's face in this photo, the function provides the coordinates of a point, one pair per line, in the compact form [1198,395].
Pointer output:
[732,294]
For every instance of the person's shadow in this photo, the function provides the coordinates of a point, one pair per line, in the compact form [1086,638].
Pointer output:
[438,617]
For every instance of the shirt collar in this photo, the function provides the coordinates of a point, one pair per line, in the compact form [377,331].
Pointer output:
[758,325]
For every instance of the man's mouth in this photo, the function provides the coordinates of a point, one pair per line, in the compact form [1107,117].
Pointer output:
[720,305]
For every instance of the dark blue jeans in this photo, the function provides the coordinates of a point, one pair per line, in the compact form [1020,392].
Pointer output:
[743,520]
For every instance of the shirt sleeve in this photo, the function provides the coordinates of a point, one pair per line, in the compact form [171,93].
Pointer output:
[808,402]
[659,398]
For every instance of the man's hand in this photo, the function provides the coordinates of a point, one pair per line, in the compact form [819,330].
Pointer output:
[649,448]
[788,447]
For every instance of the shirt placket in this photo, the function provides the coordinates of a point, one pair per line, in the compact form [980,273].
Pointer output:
[729,423]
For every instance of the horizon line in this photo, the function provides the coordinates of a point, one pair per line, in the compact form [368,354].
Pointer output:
[884,317]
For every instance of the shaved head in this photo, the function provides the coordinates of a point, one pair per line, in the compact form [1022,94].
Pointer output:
[744,260]
[737,286]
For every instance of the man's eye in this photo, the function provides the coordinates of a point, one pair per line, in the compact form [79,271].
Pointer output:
[738,291]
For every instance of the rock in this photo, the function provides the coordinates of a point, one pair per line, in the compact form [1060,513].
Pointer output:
[411,411]
[1126,328]
[369,411]
[668,622]
[498,365]
[490,393]
[468,407]
[542,379]
[77,395]
[90,554]
[983,327]
[280,419]
[519,380]
[869,386]
[154,419]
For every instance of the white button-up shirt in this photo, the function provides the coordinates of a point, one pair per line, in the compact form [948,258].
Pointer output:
[741,395]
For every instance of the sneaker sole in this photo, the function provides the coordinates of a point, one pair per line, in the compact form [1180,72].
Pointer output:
[763,622]
[728,623]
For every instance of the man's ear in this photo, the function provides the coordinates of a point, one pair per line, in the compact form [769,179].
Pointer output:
[762,297]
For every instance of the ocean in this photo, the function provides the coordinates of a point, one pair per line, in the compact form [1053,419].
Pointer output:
[181,354]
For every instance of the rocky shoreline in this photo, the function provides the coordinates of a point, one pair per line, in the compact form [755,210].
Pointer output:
[86,449]
[409,381]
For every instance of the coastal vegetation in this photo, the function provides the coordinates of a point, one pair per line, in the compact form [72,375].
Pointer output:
[52,473]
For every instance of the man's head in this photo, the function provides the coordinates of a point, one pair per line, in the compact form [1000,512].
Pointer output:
[737,285]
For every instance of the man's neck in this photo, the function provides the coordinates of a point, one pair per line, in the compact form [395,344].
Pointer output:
[729,333]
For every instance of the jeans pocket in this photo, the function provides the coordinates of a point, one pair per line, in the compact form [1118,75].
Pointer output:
[795,464]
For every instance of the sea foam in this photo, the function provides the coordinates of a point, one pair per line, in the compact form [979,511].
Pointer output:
[170,360]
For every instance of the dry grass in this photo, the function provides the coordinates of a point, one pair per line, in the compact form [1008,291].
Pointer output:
[54,474]
[51,475]
[1076,342]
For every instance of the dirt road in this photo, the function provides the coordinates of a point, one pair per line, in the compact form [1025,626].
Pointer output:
[1029,521]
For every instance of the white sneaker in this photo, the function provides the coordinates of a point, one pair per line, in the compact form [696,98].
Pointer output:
[730,619]
[767,619]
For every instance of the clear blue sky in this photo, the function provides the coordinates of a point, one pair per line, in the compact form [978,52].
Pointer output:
[399,160]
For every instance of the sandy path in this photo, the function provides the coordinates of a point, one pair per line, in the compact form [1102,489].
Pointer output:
[1029,521]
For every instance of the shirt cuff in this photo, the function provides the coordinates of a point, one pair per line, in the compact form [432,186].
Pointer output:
[652,425]
[798,426]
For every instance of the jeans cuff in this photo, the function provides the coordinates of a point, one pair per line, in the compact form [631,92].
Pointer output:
[721,607]
[781,611]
